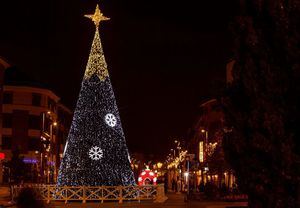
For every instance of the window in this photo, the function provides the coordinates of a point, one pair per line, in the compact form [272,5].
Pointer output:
[36,99]
[34,122]
[7,98]
[6,142]
[51,104]
[34,144]
[7,120]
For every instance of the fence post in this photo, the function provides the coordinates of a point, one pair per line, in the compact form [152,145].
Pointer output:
[139,193]
[65,189]
[48,194]
[83,195]
[160,194]
[120,195]
[102,194]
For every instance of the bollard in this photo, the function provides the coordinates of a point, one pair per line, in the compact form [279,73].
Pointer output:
[160,194]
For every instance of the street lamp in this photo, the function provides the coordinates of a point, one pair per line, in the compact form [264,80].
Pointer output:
[177,142]
[186,174]
[47,155]
[178,146]
[174,153]
[50,159]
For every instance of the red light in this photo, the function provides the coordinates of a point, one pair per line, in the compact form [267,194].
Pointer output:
[147,175]
[2,156]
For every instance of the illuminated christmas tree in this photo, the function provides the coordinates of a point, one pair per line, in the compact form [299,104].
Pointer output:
[96,153]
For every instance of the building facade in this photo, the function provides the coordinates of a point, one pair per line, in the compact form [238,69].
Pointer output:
[34,124]
[3,66]
[205,141]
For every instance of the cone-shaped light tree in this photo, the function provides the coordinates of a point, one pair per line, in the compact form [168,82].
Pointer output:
[96,153]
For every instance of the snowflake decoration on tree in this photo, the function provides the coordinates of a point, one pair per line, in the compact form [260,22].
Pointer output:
[95,153]
[111,120]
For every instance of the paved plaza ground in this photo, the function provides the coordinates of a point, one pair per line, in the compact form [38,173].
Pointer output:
[174,201]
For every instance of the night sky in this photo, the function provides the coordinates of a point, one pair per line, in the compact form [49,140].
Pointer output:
[163,58]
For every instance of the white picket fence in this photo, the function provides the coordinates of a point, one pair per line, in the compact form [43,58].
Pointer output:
[95,193]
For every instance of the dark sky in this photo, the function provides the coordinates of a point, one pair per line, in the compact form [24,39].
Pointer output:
[164,57]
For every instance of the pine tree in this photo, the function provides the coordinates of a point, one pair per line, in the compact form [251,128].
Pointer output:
[96,153]
[262,105]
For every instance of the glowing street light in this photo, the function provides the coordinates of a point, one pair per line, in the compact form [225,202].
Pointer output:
[159,165]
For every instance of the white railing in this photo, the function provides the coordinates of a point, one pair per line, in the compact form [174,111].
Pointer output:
[94,193]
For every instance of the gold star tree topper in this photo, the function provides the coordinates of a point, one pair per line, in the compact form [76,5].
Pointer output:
[96,63]
[97,17]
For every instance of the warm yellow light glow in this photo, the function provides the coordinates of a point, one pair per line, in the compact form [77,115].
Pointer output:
[201,157]
[55,123]
[211,148]
[159,165]
[202,130]
[96,63]
[97,17]
[175,162]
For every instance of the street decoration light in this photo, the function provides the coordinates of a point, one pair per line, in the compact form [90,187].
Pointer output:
[159,165]
[211,148]
[147,176]
[201,152]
